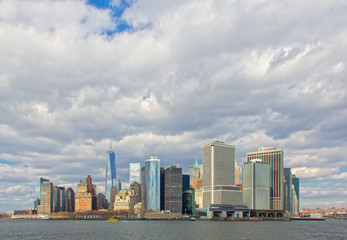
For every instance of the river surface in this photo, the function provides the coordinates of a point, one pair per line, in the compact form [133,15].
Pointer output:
[99,229]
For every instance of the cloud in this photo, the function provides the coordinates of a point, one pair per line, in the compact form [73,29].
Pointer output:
[183,74]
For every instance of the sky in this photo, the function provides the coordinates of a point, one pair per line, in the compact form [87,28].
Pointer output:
[162,78]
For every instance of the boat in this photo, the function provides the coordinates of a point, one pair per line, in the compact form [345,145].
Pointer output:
[313,217]
[192,219]
[113,219]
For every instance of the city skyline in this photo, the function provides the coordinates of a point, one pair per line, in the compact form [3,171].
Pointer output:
[164,79]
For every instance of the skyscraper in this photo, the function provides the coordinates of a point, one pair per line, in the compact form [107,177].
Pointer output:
[91,189]
[110,172]
[46,196]
[296,184]
[219,174]
[287,188]
[152,182]
[256,184]
[70,200]
[192,171]
[173,189]
[56,199]
[275,158]
[135,173]
[83,199]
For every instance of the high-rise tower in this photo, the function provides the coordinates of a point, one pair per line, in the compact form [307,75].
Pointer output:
[110,177]
[152,184]
[275,158]
[219,186]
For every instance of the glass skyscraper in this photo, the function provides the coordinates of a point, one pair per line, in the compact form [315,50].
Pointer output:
[256,184]
[152,183]
[275,158]
[110,172]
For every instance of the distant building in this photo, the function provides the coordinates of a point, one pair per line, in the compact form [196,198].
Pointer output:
[237,174]
[122,200]
[135,198]
[113,193]
[275,158]
[185,182]
[110,172]
[70,200]
[143,188]
[294,202]
[152,183]
[219,175]
[46,196]
[296,183]
[256,184]
[62,199]
[198,174]
[135,173]
[56,199]
[173,189]
[83,199]
[92,190]
[162,189]
[188,201]
[36,203]
[101,202]
[287,188]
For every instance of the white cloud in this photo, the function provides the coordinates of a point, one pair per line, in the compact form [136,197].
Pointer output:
[233,71]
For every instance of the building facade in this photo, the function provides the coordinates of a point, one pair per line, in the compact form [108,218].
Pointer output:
[287,188]
[110,172]
[83,199]
[173,189]
[296,183]
[152,182]
[70,200]
[219,174]
[256,184]
[46,196]
[275,158]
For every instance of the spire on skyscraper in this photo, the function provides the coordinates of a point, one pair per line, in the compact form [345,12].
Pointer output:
[196,163]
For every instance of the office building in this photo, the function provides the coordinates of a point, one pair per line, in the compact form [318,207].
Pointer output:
[185,182]
[256,184]
[92,190]
[198,174]
[135,173]
[46,196]
[237,174]
[162,189]
[83,199]
[101,202]
[152,182]
[62,199]
[110,172]
[135,198]
[188,201]
[287,188]
[275,158]
[143,189]
[70,200]
[56,199]
[173,189]
[113,192]
[296,183]
[219,174]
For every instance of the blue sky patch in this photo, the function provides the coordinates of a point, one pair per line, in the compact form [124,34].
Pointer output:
[2,161]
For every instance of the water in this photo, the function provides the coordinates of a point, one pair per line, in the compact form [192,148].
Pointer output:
[98,229]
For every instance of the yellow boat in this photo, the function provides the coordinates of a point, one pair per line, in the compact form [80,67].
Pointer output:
[113,219]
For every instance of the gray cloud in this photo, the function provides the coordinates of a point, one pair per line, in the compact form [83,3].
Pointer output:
[248,73]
